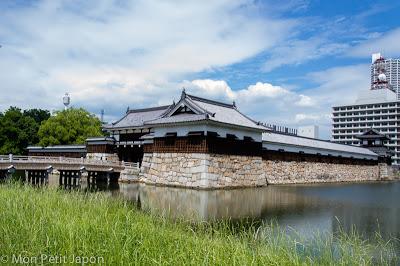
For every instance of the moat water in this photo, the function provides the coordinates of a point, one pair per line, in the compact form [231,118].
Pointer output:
[306,209]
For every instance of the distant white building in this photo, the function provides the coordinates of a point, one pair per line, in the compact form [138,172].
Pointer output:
[308,131]
[376,108]
[385,72]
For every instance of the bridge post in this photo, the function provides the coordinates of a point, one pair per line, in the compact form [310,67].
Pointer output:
[89,178]
[10,157]
[60,178]
[10,171]
[101,177]
[73,179]
[49,170]
[67,180]
[28,175]
[113,177]
[64,178]
[3,174]
[70,178]
[36,177]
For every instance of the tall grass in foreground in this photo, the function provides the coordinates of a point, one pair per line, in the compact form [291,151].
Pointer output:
[48,221]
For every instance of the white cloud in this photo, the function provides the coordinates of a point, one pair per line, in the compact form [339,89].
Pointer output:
[387,43]
[118,53]
[221,90]
[339,85]
[214,88]
[263,90]
[295,52]
[111,54]
[263,101]
[334,86]
[276,104]
[305,101]
[303,117]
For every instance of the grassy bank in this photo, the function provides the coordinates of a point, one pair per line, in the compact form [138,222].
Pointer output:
[36,223]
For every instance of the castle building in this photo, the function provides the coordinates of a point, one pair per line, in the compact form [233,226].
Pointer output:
[191,121]
[203,143]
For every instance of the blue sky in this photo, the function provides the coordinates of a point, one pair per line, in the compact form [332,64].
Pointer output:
[284,62]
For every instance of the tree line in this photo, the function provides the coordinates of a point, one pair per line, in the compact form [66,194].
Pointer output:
[22,128]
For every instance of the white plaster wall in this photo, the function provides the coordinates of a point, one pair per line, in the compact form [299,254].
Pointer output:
[183,130]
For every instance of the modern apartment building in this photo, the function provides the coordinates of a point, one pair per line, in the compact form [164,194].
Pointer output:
[390,68]
[375,108]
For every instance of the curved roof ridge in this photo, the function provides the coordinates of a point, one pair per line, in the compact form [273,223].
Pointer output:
[149,109]
[196,98]
[205,111]
[139,111]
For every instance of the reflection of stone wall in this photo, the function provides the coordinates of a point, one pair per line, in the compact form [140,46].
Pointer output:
[287,172]
[202,170]
[218,204]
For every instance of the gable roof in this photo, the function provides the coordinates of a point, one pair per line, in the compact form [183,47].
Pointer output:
[206,110]
[136,118]
[372,134]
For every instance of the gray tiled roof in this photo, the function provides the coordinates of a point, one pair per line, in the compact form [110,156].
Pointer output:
[100,139]
[137,118]
[178,119]
[208,110]
[372,134]
[290,140]
[382,151]
[57,148]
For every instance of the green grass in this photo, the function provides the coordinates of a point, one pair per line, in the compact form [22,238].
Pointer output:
[52,222]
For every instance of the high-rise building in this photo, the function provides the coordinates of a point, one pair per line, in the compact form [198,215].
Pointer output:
[375,108]
[385,72]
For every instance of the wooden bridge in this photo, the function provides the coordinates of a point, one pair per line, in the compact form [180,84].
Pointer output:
[37,168]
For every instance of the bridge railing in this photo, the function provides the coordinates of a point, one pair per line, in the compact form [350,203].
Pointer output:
[65,160]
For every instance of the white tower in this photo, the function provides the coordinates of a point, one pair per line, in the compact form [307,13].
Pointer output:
[66,101]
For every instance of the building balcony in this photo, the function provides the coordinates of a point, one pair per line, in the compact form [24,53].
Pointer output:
[392,105]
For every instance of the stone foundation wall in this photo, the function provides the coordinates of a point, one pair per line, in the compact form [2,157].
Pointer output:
[290,172]
[204,170]
[201,170]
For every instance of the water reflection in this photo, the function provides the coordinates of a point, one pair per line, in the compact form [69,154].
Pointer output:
[85,184]
[369,207]
[327,208]
[214,204]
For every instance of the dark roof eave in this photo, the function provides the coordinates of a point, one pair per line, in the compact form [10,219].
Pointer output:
[127,128]
[372,137]
[211,122]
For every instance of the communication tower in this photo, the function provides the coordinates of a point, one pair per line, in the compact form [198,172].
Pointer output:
[66,101]
[379,78]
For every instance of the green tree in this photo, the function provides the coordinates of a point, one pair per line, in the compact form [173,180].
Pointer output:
[70,126]
[17,131]
[38,115]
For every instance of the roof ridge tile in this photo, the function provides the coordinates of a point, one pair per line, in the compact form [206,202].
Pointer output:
[200,99]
